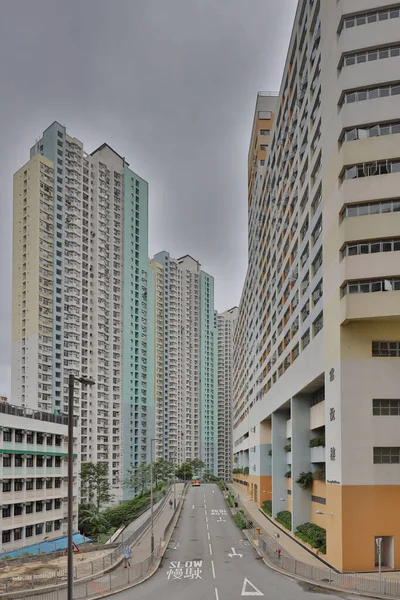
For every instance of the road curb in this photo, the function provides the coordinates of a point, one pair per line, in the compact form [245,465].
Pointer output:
[315,584]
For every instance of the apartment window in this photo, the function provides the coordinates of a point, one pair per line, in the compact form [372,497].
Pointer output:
[382,91]
[317,231]
[385,407]
[318,499]
[29,484]
[6,460]
[263,147]
[29,531]
[368,286]
[18,460]
[318,324]
[6,513]
[39,528]
[18,485]
[371,208]
[386,348]
[370,17]
[383,167]
[6,486]
[305,340]
[386,455]
[39,484]
[369,131]
[370,55]
[7,435]
[17,510]
[264,131]
[371,247]
[19,437]
[6,537]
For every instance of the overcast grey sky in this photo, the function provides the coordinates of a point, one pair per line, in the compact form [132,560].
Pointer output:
[171,85]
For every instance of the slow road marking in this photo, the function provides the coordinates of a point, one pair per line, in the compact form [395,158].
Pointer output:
[247,592]
[190,569]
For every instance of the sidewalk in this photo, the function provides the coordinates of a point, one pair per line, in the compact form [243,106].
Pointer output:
[287,544]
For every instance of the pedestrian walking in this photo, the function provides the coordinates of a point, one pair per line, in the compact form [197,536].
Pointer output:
[128,554]
[278,552]
[170,503]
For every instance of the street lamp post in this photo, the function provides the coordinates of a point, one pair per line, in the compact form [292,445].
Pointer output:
[151,496]
[70,554]
[174,492]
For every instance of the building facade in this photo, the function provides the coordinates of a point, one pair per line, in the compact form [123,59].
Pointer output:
[185,363]
[34,477]
[225,326]
[81,288]
[318,338]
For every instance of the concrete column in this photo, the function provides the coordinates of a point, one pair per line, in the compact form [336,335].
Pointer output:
[301,459]
[279,466]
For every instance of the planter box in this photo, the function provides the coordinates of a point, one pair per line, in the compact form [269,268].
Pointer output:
[318,454]
[288,458]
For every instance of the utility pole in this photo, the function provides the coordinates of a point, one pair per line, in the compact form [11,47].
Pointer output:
[151,496]
[70,555]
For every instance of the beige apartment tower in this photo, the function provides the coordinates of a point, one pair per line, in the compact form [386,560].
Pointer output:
[317,345]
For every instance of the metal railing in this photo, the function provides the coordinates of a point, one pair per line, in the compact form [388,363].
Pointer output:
[324,576]
[116,580]
[86,569]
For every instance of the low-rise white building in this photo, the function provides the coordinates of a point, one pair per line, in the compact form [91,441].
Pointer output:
[33,477]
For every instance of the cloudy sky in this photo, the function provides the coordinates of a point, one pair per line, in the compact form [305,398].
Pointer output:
[171,85]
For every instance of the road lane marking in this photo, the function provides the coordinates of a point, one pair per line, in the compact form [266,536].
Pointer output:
[216,594]
[213,568]
[208,535]
[234,553]
[207,526]
[209,545]
[245,592]
[193,507]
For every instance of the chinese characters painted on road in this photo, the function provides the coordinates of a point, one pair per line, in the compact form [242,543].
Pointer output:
[190,569]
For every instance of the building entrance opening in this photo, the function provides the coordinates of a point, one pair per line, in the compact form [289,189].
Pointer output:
[384,547]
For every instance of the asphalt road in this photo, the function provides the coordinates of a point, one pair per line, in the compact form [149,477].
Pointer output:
[208,559]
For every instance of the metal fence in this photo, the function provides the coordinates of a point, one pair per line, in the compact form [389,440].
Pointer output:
[116,580]
[81,571]
[323,576]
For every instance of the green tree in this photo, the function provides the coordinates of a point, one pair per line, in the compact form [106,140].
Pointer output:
[95,483]
[92,521]
[162,471]
[197,466]
[138,478]
[184,472]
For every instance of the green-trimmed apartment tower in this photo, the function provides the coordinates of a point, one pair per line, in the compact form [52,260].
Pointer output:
[82,295]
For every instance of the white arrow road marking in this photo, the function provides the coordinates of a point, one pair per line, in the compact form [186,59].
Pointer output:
[234,553]
[221,520]
[255,592]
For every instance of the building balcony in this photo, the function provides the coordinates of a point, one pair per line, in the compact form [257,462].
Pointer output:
[377,305]
[317,416]
[288,458]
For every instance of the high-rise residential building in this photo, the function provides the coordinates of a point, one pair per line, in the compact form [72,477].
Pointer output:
[317,345]
[225,325]
[81,293]
[185,361]
[34,477]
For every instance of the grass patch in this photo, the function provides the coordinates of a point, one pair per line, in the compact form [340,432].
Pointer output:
[284,517]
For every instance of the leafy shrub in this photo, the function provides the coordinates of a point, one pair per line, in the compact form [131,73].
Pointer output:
[267,507]
[246,471]
[239,520]
[288,474]
[287,448]
[317,441]
[314,535]
[305,480]
[238,471]
[270,452]
[284,517]
[319,475]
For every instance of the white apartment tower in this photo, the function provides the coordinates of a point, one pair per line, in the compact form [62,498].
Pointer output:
[186,408]
[225,325]
[80,295]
